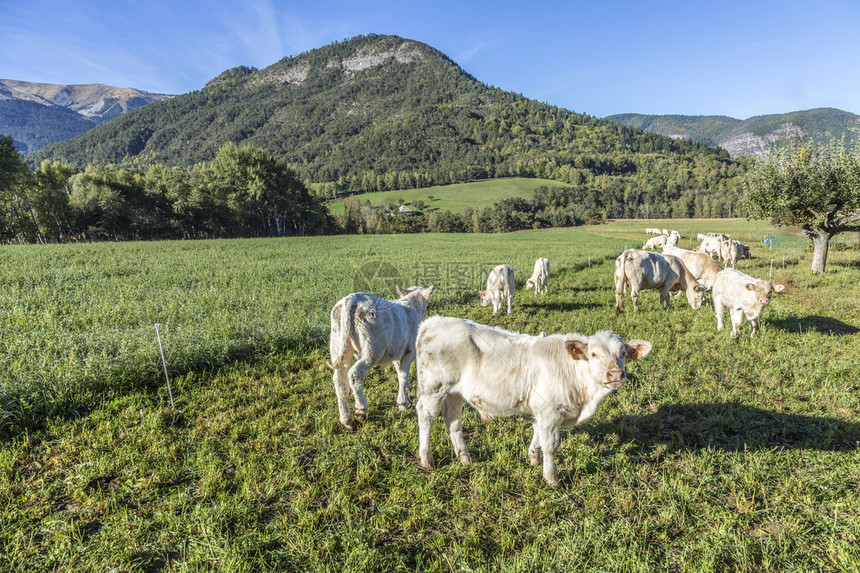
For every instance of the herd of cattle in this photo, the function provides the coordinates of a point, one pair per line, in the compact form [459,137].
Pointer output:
[559,379]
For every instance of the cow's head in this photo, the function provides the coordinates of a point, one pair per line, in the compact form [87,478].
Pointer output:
[607,356]
[485,298]
[417,296]
[696,296]
[763,291]
[530,283]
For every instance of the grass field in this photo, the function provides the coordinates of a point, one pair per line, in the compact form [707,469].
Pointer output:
[456,197]
[716,455]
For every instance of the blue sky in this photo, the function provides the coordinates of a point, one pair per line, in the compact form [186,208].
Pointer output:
[735,58]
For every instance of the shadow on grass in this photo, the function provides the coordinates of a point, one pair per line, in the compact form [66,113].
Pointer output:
[732,426]
[553,306]
[815,323]
[846,264]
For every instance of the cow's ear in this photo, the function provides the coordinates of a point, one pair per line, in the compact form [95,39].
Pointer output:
[577,349]
[779,288]
[750,286]
[482,292]
[428,292]
[637,349]
[401,292]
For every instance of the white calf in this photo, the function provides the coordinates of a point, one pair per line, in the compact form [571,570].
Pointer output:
[731,251]
[744,296]
[376,330]
[559,379]
[500,286]
[656,242]
[539,276]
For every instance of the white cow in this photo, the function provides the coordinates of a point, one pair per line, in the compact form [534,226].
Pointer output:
[655,243]
[744,296]
[559,379]
[673,238]
[652,231]
[376,330]
[711,244]
[500,286]
[731,251]
[639,270]
[700,237]
[539,276]
[701,265]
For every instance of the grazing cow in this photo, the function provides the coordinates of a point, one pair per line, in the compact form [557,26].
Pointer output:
[711,244]
[500,286]
[655,243]
[645,270]
[744,296]
[731,251]
[701,265]
[673,238]
[376,330]
[539,276]
[559,379]
[652,231]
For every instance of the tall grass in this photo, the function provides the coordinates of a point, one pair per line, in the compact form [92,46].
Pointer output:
[716,455]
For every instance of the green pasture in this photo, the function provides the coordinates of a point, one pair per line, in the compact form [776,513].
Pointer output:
[716,455]
[456,197]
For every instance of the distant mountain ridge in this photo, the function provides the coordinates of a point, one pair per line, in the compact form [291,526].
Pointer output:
[36,114]
[755,136]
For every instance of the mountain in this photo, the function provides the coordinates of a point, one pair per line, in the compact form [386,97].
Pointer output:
[383,112]
[36,114]
[754,136]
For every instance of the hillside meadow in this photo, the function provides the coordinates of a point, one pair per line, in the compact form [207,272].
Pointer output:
[454,197]
[715,455]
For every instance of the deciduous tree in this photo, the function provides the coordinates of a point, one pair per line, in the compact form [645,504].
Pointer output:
[814,188]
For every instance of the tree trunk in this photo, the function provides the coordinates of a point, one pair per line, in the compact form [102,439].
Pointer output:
[821,243]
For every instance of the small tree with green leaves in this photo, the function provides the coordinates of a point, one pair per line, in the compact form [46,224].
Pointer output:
[814,188]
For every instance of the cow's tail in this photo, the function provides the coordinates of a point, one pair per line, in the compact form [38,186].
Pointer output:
[621,281]
[341,330]
[621,271]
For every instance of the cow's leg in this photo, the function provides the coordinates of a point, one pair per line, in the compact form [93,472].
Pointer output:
[402,366]
[737,315]
[341,389]
[634,294]
[534,448]
[753,326]
[549,440]
[427,408]
[357,374]
[664,298]
[510,300]
[718,308]
[452,412]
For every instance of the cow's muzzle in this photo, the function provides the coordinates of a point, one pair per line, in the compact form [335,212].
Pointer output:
[615,378]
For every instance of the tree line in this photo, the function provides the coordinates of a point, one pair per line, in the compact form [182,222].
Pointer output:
[246,192]
[243,192]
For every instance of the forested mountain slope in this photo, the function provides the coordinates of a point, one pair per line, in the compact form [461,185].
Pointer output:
[383,112]
[754,136]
